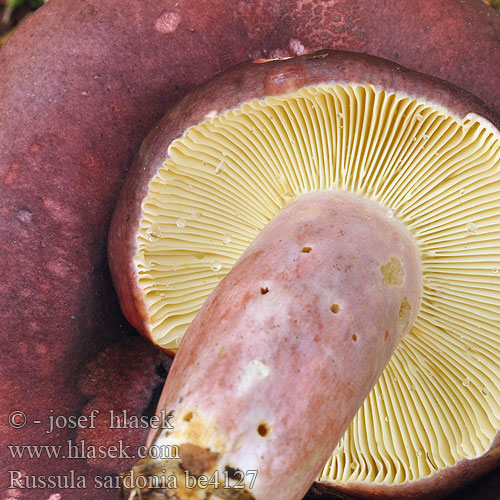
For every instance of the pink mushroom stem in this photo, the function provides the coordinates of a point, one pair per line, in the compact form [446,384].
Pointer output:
[284,352]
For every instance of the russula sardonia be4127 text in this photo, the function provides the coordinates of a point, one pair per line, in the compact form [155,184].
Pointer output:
[287,146]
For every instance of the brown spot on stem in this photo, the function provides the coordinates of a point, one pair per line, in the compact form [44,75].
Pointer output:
[197,460]
[233,473]
[404,315]
[263,429]
[393,272]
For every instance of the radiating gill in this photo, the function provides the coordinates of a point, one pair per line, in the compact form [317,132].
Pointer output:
[436,173]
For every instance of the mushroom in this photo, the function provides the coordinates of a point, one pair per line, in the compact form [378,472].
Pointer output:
[301,219]
[81,84]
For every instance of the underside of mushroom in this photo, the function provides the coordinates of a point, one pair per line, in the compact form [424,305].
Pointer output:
[404,160]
